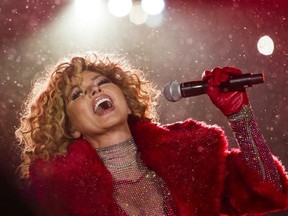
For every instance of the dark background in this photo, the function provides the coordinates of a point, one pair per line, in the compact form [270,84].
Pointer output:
[194,36]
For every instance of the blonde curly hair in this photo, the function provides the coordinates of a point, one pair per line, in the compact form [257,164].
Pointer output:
[44,125]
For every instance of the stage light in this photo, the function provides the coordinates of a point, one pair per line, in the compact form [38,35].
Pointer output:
[119,8]
[265,45]
[153,7]
[88,10]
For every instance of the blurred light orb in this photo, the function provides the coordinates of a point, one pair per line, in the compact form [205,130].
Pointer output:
[153,7]
[119,8]
[137,15]
[265,45]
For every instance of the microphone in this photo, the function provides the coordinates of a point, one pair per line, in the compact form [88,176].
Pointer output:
[173,91]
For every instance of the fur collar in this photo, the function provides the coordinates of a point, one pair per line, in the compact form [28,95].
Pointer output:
[189,156]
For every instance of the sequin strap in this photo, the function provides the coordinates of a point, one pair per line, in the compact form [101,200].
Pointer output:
[253,145]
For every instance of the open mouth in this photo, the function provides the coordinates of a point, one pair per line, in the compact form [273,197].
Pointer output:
[102,105]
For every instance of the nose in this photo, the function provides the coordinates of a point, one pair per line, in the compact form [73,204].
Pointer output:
[92,90]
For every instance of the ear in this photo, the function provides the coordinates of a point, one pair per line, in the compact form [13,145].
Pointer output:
[129,111]
[75,134]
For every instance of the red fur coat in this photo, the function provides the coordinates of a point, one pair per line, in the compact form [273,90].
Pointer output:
[204,178]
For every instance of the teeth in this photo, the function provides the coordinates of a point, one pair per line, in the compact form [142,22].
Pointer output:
[100,102]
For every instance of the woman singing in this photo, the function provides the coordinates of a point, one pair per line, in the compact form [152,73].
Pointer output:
[92,146]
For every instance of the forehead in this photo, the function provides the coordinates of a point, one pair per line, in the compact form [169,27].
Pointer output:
[89,74]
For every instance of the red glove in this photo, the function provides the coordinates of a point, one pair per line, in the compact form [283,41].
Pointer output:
[228,102]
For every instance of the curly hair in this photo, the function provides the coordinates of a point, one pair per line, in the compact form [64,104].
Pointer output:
[44,125]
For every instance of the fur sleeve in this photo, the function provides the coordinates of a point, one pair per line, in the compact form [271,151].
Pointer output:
[246,193]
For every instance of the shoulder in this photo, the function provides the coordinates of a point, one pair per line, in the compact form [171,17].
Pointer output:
[181,130]
[189,134]
[79,155]
[75,183]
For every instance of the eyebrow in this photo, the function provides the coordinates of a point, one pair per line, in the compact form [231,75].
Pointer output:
[92,79]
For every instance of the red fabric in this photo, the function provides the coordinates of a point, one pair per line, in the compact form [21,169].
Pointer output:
[76,184]
[247,192]
[189,156]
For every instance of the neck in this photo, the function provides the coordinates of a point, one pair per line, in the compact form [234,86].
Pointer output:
[119,156]
[109,137]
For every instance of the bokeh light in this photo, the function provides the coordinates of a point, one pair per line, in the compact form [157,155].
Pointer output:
[153,7]
[265,45]
[119,8]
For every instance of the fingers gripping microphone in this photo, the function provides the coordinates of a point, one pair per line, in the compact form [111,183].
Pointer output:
[173,91]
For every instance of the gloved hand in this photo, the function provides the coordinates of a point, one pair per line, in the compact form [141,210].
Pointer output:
[228,102]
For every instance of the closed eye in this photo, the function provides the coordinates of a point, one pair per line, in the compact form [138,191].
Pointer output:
[76,94]
[104,81]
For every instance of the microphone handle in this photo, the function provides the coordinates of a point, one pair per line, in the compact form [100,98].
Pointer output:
[239,83]
[235,83]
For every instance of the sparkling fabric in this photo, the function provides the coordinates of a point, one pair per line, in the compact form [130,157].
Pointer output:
[137,190]
[253,145]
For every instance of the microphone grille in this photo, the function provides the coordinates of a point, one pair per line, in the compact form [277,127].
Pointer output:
[172,92]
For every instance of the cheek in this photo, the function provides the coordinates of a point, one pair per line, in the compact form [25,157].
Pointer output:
[124,102]
[75,112]
[71,116]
